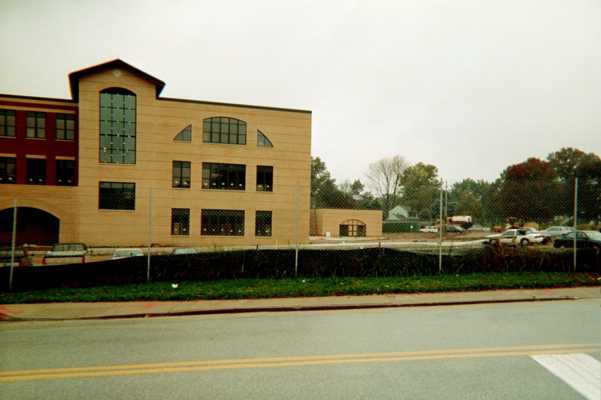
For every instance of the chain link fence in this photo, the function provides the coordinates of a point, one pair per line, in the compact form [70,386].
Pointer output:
[428,227]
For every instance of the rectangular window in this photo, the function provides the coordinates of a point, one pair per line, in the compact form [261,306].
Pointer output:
[223,176]
[117,127]
[263,223]
[36,125]
[117,196]
[65,126]
[222,222]
[264,178]
[8,170]
[65,172]
[7,123]
[180,221]
[181,174]
[36,171]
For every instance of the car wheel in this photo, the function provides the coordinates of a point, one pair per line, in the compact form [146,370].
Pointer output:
[524,242]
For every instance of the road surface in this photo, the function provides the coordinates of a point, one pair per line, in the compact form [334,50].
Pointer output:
[503,351]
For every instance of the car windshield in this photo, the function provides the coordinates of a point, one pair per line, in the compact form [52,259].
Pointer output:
[68,247]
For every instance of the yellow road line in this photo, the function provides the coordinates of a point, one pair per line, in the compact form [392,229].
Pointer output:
[275,362]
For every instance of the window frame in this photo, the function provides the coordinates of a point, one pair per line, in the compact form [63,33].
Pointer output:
[4,167]
[42,177]
[176,229]
[179,166]
[110,130]
[264,173]
[185,135]
[232,172]
[64,133]
[4,125]
[124,188]
[38,127]
[263,140]
[213,222]
[262,229]
[221,130]
[58,169]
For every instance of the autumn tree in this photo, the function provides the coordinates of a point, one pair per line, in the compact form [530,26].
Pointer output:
[530,191]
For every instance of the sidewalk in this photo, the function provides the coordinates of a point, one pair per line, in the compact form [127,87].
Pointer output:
[74,311]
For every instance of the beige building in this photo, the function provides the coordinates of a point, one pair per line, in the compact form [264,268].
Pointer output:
[118,160]
[334,222]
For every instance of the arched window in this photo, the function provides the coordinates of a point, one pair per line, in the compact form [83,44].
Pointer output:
[117,126]
[353,228]
[263,140]
[224,130]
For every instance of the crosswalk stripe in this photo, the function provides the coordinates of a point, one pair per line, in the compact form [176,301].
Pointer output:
[581,371]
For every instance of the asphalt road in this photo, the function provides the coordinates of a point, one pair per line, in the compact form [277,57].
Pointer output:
[504,351]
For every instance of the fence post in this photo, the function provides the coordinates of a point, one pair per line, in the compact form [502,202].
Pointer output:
[149,234]
[440,230]
[296,205]
[12,246]
[575,219]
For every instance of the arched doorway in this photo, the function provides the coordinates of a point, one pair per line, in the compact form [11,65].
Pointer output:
[34,226]
[352,228]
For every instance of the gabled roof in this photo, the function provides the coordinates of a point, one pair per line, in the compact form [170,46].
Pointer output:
[74,77]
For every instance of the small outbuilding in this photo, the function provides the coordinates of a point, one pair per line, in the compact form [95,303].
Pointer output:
[336,222]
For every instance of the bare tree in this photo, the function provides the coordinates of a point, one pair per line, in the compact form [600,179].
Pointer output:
[384,178]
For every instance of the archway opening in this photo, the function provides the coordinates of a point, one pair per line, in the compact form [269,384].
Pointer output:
[34,226]
[353,228]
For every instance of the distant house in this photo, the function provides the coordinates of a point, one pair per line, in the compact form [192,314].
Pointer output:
[399,213]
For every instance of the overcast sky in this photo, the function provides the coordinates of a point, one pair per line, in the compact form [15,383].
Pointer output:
[470,86]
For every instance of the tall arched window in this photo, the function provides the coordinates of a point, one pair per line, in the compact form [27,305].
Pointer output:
[117,126]
[223,130]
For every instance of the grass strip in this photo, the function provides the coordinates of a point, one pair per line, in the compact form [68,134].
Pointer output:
[302,287]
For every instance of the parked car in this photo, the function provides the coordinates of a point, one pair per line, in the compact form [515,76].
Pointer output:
[429,229]
[556,231]
[584,239]
[454,229]
[125,253]
[521,236]
[183,250]
[22,257]
[66,253]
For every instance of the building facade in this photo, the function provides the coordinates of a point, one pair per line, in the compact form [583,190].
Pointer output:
[335,222]
[118,164]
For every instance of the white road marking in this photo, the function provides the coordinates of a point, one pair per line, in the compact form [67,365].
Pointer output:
[581,371]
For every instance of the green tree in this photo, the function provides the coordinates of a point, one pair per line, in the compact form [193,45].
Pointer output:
[421,188]
[469,196]
[324,191]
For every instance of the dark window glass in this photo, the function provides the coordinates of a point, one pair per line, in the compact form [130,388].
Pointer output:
[263,223]
[223,176]
[36,171]
[65,126]
[36,125]
[185,135]
[224,130]
[7,123]
[65,172]
[222,222]
[8,170]
[264,178]
[181,174]
[117,126]
[117,196]
[180,221]
[262,140]
[352,227]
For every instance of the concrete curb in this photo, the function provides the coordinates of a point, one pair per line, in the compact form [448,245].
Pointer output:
[246,310]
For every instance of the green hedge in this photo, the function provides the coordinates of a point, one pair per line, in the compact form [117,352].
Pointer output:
[312,263]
